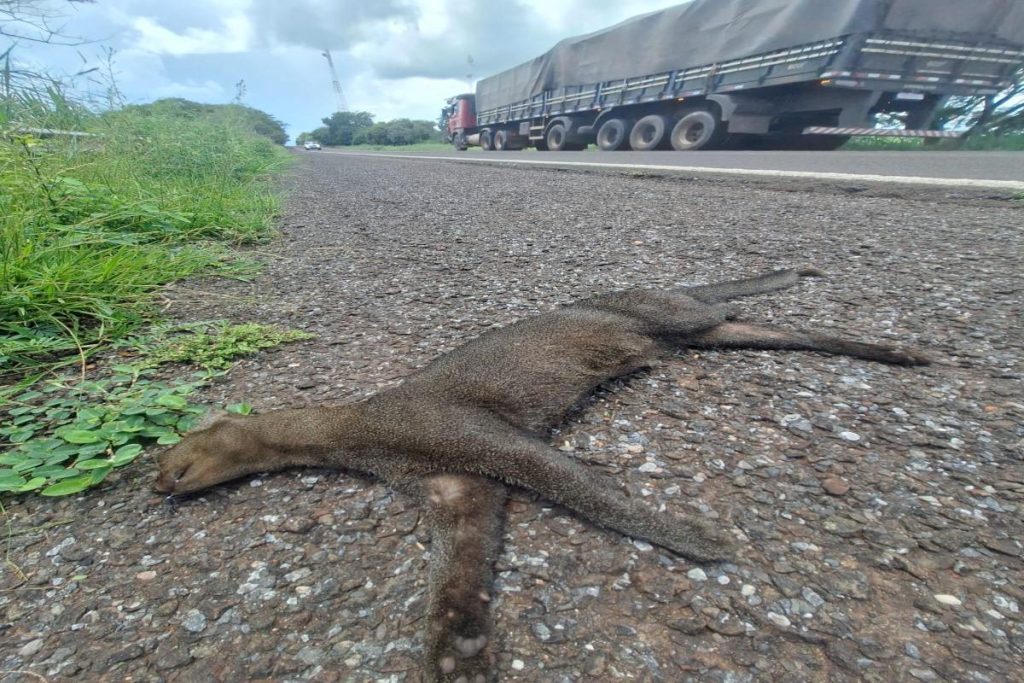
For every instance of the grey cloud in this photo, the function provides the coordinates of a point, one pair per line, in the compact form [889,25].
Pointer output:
[495,39]
[335,24]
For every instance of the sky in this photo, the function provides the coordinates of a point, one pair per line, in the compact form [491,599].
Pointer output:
[395,58]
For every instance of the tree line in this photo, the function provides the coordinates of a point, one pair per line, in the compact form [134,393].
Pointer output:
[359,128]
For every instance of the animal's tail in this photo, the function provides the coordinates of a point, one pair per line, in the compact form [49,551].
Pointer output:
[769,282]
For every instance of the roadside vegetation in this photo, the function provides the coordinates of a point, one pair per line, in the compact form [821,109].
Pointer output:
[358,129]
[100,207]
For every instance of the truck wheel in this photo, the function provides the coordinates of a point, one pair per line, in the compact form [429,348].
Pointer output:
[486,141]
[556,138]
[649,132]
[697,130]
[501,140]
[613,135]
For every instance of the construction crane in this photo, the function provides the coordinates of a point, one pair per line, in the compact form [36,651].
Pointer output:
[342,106]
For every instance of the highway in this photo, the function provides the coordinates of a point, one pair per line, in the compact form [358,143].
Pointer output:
[994,170]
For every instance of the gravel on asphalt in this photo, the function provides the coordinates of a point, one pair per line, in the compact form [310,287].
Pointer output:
[879,508]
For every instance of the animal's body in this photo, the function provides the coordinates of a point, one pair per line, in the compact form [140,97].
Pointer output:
[455,433]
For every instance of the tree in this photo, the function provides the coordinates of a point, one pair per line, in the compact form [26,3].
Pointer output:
[31,20]
[992,115]
[343,125]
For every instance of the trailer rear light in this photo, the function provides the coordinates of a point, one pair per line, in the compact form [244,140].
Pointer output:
[826,81]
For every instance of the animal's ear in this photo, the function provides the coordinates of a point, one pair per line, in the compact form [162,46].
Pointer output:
[212,417]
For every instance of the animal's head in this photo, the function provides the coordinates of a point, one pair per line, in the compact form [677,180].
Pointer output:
[221,447]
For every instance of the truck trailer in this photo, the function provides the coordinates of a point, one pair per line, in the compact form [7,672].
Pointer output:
[775,74]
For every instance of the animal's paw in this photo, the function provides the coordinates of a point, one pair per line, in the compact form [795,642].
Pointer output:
[460,659]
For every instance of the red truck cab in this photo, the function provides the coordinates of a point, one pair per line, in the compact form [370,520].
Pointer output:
[459,119]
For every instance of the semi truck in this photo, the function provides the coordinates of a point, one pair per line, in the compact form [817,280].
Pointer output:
[776,74]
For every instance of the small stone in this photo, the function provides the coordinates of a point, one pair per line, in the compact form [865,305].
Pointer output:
[31,648]
[194,621]
[778,619]
[835,486]
[298,526]
[852,437]
[690,627]
[310,655]
[147,575]
[924,674]
[127,654]
[747,590]
[697,574]
[947,599]
[1006,547]
[812,597]
[727,626]
[518,664]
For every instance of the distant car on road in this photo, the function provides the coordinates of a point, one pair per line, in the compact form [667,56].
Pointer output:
[312,144]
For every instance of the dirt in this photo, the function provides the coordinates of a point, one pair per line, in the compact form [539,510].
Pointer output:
[879,508]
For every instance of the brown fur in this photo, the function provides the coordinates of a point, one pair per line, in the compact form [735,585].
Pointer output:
[455,433]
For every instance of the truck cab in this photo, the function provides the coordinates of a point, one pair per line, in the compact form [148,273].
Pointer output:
[458,119]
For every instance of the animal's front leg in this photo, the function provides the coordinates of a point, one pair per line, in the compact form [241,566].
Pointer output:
[465,515]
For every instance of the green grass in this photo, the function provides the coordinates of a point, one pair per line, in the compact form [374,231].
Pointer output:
[91,228]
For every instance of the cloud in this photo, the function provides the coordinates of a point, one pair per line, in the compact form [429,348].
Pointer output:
[234,35]
[334,24]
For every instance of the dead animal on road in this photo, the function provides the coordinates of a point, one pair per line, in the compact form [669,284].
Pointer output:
[474,421]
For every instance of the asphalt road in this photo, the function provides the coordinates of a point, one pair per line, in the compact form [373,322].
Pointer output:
[877,509]
[999,170]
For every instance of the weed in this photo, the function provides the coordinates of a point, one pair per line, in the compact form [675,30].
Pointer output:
[212,346]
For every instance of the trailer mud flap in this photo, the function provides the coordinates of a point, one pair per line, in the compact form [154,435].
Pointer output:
[882,132]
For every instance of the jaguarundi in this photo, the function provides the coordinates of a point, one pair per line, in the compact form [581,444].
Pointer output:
[474,421]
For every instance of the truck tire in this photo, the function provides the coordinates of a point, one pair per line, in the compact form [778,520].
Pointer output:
[697,130]
[556,138]
[486,141]
[501,140]
[649,132]
[613,135]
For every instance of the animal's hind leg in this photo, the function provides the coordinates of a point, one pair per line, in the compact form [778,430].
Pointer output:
[769,282]
[746,336]
[465,516]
